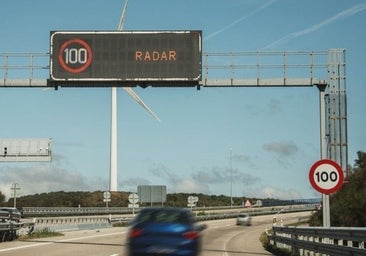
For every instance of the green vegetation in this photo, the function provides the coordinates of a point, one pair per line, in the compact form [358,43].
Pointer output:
[118,199]
[46,232]
[70,199]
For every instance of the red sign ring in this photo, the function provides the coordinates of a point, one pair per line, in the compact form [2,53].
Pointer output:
[85,65]
[319,165]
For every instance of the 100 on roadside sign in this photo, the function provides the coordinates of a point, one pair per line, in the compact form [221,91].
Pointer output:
[326,176]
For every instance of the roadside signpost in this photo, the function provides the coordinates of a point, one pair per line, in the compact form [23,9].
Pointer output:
[192,201]
[326,176]
[133,199]
[106,197]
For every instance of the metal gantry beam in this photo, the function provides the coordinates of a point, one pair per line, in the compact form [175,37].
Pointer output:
[231,69]
[264,69]
[236,69]
[24,69]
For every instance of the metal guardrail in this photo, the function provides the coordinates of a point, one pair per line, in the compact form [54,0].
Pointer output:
[72,211]
[61,224]
[81,211]
[11,226]
[335,241]
[11,230]
[93,222]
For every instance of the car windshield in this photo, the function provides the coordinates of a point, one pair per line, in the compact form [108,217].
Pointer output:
[14,210]
[164,216]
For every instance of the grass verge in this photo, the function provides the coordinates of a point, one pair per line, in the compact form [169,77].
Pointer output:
[46,232]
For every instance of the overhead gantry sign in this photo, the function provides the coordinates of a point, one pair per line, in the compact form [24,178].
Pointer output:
[126,58]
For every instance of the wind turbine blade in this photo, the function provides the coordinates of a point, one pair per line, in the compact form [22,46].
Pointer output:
[123,15]
[140,101]
[129,89]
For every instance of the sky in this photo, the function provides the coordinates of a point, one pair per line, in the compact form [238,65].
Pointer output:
[245,142]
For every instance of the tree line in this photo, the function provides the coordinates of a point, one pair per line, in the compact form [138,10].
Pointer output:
[118,199]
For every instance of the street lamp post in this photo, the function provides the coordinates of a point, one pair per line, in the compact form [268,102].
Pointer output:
[15,188]
[231,180]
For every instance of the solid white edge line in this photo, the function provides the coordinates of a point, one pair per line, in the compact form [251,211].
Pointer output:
[59,241]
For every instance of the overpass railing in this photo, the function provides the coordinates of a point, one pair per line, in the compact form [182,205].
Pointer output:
[335,241]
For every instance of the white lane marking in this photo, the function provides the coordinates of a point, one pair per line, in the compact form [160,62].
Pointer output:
[227,241]
[225,247]
[60,241]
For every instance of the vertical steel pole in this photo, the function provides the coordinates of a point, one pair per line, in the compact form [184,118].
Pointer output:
[113,167]
[323,150]
[231,180]
[113,185]
[15,188]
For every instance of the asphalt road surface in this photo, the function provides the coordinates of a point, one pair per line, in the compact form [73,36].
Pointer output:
[221,238]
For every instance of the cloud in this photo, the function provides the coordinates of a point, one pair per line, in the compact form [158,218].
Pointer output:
[270,108]
[132,183]
[274,106]
[267,4]
[241,158]
[213,176]
[42,178]
[161,171]
[191,186]
[201,181]
[272,192]
[223,175]
[283,149]
[343,14]
[205,180]
[176,183]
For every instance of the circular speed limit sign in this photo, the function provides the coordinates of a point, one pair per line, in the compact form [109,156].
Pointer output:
[75,55]
[326,176]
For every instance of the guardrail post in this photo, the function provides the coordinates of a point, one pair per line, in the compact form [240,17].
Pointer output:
[294,248]
[274,235]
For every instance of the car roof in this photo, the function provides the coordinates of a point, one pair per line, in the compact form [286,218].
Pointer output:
[8,208]
[164,209]
[164,214]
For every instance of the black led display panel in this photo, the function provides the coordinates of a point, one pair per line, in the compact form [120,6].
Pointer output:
[126,56]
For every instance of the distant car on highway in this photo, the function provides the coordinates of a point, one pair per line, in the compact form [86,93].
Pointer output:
[12,214]
[244,219]
[164,231]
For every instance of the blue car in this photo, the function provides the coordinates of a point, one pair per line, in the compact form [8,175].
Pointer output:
[164,231]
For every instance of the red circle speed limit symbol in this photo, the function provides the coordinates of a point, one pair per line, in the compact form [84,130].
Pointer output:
[75,55]
[326,176]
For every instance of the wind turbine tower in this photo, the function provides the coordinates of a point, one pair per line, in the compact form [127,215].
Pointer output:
[113,181]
